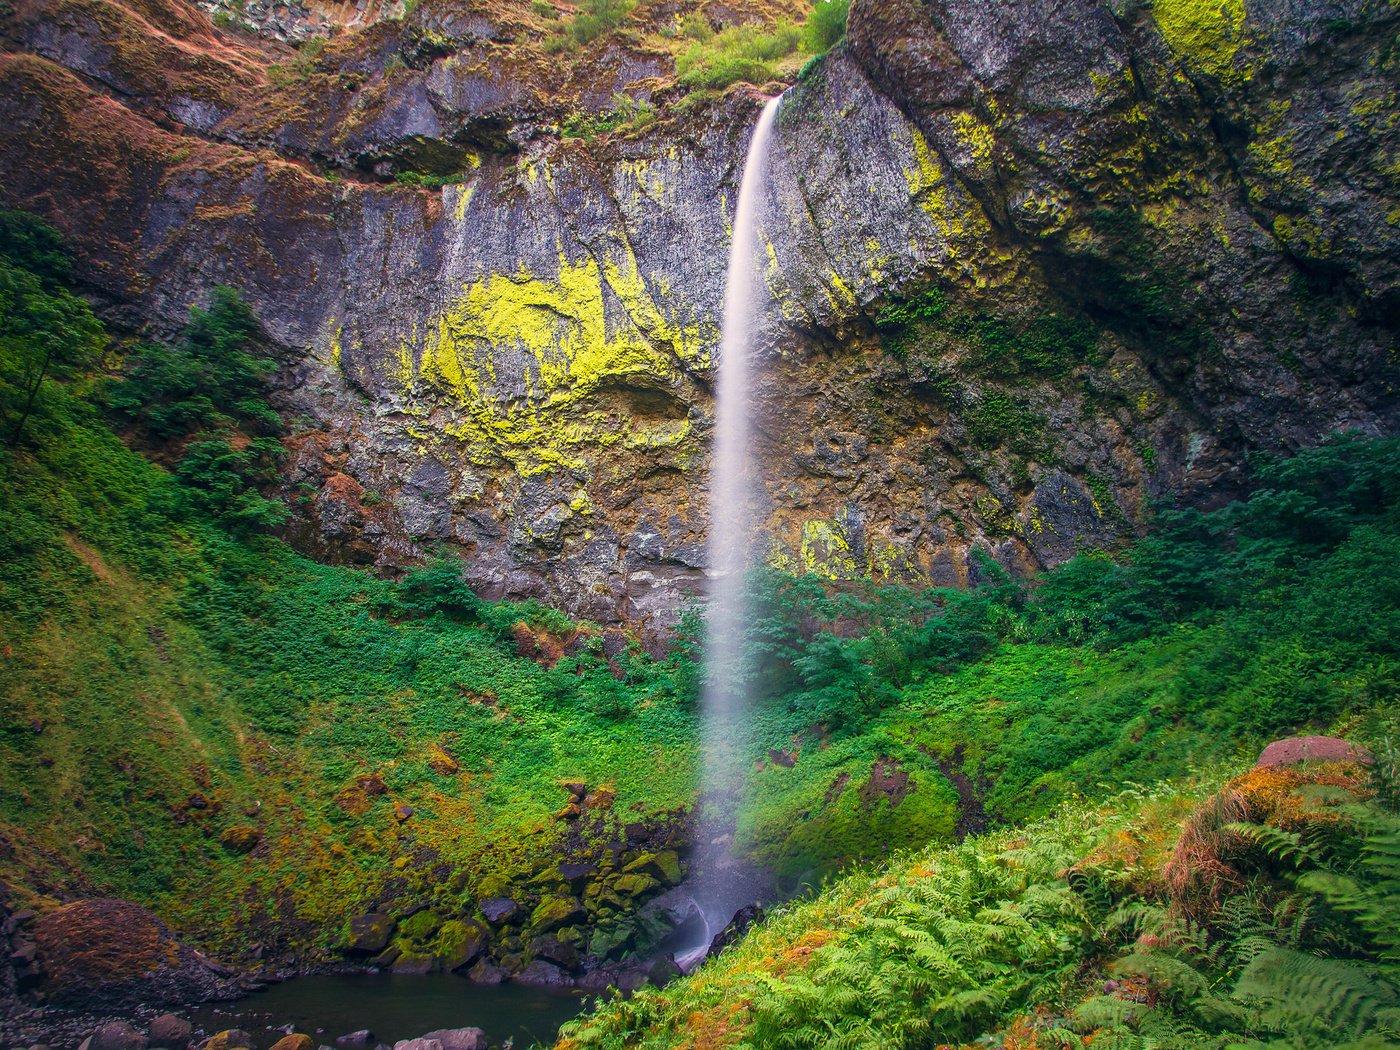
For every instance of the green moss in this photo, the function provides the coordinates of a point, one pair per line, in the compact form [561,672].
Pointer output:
[1207,34]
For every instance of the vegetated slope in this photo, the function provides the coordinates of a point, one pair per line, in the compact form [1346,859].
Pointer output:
[886,716]
[1263,914]
[258,746]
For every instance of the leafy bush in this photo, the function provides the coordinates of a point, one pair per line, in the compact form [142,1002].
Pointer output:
[208,393]
[825,25]
[737,53]
[599,17]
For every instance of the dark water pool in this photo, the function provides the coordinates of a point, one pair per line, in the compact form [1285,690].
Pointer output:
[395,1007]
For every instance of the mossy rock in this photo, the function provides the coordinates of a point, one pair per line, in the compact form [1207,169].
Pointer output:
[295,1041]
[611,940]
[553,912]
[664,866]
[420,926]
[460,943]
[369,933]
[636,884]
[494,886]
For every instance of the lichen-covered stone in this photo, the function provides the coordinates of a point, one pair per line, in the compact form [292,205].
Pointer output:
[553,912]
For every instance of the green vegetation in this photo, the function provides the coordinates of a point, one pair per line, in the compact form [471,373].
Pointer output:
[598,17]
[1264,914]
[737,53]
[825,26]
[47,334]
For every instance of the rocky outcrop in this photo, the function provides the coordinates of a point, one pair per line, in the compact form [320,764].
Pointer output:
[107,954]
[1033,265]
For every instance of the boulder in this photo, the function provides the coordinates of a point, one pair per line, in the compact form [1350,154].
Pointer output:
[460,943]
[109,955]
[116,1035]
[169,1032]
[664,866]
[294,1041]
[499,910]
[418,1044]
[486,972]
[551,949]
[359,1038]
[553,912]
[459,1038]
[414,965]
[1312,749]
[370,933]
[544,973]
[576,874]
[636,884]
[229,1039]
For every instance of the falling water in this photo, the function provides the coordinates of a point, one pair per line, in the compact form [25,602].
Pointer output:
[731,527]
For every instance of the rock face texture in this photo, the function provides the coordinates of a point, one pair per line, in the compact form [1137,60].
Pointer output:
[1033,264]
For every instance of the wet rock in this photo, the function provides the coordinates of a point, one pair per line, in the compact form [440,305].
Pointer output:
[358,1038]
[735,928]
[294,1041]
[1312,749]
[420,1043]
[551,949]
[486,972]
[229,1039]
[544,973]
[414,965]
[370,933]
[459,1038]
[499,910]
[169,1032]
[663,971]
[576,874]
[117,1035]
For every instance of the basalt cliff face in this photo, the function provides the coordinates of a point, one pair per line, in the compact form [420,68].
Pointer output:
[1033,264]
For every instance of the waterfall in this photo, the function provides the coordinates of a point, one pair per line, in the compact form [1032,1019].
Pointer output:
[731,531]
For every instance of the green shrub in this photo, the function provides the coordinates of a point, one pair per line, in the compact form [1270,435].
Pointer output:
[599,17]
[738,53]
[825,25]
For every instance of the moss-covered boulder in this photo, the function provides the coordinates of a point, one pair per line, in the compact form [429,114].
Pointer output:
[664,866]
[553,912]
[460,943]
[420,926]
[369,933]
[635,884]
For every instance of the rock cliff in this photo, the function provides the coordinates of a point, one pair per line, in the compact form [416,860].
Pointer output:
[1033,265]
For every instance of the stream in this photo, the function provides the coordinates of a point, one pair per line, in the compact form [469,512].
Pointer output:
[394,1007]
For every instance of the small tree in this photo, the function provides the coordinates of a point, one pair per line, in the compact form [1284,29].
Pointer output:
[47,334]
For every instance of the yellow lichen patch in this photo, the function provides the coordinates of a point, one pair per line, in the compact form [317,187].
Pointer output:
[827,553]
[977,138]
[931,189]
[1206,34]
[517,353]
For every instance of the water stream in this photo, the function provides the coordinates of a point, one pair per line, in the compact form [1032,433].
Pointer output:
[720,892]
